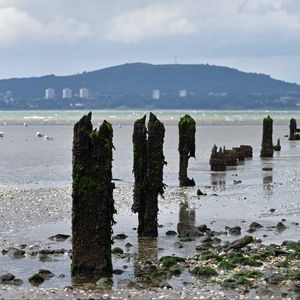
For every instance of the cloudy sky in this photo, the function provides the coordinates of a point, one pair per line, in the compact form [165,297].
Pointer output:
[40,37]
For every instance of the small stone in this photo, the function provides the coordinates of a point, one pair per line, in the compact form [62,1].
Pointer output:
[117,250]
[128,245]
[16,253]
[118,272]
[120,236]
[236,230]
[4,251]
[171,233]
[202,228]
[36,279]
[6,277]
[46,274]
[271,210]
[59,237]
[255,225]
[280,226]
[105,296]
[104,283]
[17,282]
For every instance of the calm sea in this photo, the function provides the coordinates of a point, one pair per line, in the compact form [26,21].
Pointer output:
[35,162]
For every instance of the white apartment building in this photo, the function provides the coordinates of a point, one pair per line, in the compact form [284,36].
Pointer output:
[67,93]
[49,93]
[182,93]
[84,93]
[155,94]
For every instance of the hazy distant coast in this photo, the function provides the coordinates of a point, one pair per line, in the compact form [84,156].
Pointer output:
[147,86]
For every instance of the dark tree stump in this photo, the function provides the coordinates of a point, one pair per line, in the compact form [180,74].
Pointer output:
[149,161]
[93,204]
[186,148]
[267,141]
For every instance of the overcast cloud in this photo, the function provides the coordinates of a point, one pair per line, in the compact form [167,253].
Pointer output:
[69,36]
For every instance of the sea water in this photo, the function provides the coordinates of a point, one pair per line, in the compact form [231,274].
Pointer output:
[30,162]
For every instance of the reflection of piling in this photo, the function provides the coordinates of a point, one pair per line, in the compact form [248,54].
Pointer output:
[187,130]
[267,141]
[93,205]
[148,173]
[217,159]
[146,255]
[293,130]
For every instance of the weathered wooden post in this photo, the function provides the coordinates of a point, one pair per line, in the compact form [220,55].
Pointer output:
[93,204]
[149,161]
[139,139]
[186,148]
[267,141]
[293,130]
[217,159]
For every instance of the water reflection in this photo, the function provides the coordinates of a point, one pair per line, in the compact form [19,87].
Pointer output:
[147,253]
[187,219]
[218,181]
[268,183]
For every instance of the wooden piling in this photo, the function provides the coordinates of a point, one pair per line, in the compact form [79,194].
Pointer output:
[93,204]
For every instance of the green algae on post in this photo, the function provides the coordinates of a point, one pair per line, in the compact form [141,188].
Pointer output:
[93,204]
[148,166]
[186,148]
[267,141]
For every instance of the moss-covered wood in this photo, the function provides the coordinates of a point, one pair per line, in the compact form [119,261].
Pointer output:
[139,139]
[267,141]
[186,148]
[148,166]
[93,204]
[293,130]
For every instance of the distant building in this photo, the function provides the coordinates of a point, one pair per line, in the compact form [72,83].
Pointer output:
[182,93]
[67,93]
[84,93]
[49,93]
[155,94]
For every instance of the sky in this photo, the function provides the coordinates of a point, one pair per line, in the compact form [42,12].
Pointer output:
[61,37]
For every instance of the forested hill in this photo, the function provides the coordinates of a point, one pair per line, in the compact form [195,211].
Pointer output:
[132,85]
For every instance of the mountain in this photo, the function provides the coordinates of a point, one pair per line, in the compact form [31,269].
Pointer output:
[132,85]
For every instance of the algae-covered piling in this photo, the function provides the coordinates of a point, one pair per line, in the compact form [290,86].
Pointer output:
[267,141]
[148,166]
[186,148]
[93,204]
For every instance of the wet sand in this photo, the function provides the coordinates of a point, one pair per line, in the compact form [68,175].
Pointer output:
[30,217]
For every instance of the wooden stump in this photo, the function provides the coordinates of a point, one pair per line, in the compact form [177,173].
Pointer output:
[186,148]
[267,141]
[149,161]
[93,204]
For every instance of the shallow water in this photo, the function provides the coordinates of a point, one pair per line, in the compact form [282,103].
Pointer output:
[31,163]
